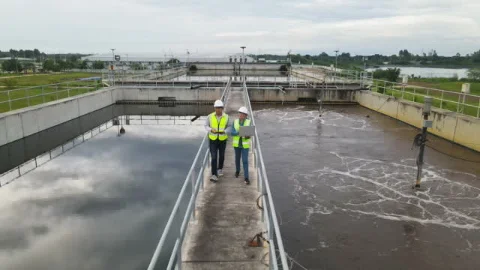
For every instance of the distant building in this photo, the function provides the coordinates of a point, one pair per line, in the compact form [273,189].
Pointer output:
[152,61]
[20,59]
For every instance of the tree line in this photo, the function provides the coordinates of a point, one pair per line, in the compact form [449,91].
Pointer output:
[403,58]
[50,62]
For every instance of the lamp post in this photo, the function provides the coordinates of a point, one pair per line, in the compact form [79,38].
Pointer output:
[112,79]
[243,56]
[336,62]
[113,56]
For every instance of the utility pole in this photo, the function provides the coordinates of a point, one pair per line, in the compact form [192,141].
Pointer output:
[243,56]
[113,56]
[112,75]
[336,62]
[421,139]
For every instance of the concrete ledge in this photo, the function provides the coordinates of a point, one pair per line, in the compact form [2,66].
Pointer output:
[452,126]
[294,94]
[180,93]
[30,120]
[225,265]
[24,122]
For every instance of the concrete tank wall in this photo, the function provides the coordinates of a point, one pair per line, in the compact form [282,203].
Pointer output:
[27,121]
[230,66]
[153,93]
[21,123]
[275,95]
[449,125]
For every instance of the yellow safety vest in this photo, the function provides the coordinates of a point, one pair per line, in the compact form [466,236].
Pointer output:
[236,139]
[218,126]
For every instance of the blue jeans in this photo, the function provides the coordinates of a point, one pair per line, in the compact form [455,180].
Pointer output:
[241,152]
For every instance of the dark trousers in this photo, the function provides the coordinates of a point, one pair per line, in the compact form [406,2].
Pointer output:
[217,146]
[243,154]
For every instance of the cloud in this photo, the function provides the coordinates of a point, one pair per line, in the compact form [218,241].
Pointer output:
[213,27]
[242,34]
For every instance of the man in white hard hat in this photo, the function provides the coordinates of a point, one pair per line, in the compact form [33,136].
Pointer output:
[241,145]
[218,126]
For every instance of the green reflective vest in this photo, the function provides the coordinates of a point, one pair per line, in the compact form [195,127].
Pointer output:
[218,126]
[236,139]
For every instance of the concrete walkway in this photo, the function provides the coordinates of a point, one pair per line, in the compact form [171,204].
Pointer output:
[227,217]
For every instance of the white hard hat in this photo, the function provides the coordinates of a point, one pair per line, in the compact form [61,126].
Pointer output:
[243,110]
[218,104]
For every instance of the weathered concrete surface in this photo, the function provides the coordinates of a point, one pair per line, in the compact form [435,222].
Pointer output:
[449,125]
[27,121]
[310,76]
[180,93]
[227,218]
[234,66]
[15,125]
[294,94]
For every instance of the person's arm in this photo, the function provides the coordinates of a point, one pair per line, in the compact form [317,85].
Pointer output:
[234,131]
[228,128]
[207,125]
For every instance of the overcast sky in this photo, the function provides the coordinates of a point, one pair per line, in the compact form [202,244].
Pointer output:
[220,27]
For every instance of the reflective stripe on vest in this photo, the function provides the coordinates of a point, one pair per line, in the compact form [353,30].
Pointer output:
[218,126]
[236,139]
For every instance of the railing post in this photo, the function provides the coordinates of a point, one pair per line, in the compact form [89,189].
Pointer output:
[43,95]
[28,97]
[9,100]
[193,194]
[441,101]
[478,108]
[458,103]
[179,257]
[56,90]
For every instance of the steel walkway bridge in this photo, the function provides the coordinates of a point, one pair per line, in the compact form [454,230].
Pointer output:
[211,225]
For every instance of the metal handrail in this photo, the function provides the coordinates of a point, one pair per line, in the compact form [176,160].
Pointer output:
[71,85]
[402,88]
[461,100]
[263,184]
[196,183]
[34,163]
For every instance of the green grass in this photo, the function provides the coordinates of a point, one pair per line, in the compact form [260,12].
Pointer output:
[27,88]
[10,74]
[43,79]
[446,84]
[50,94]
[448,103]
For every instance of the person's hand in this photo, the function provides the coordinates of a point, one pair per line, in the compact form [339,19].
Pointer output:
[214,131]
[247,137]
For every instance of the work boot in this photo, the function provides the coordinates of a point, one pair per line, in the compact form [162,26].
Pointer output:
[247,182]
[220,172]
[213,178]
[237,174]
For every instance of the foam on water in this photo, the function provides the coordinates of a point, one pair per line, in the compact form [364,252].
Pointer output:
[383,189]
[324,117]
